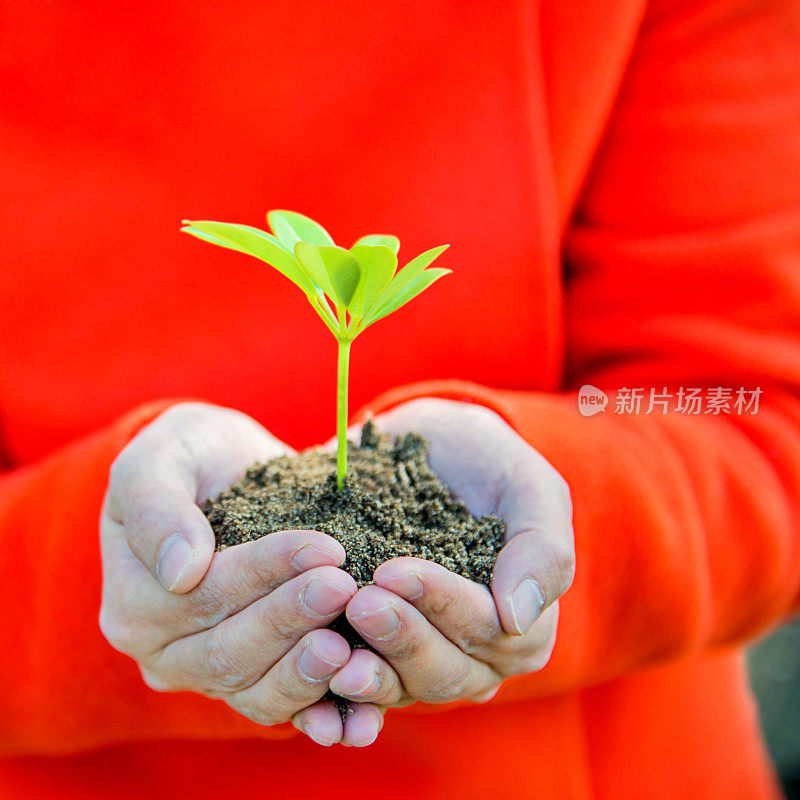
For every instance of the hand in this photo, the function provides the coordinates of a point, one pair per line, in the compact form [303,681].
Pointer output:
[246,624]
[443,637]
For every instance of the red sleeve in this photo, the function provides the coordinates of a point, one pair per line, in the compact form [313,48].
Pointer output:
[64,688]
[683,266]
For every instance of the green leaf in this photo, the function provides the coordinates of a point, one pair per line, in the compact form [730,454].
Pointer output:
[291,228]
[344,271]
[253,242]
[320,305]
[406,275]
[385,239]
[243,238]
[414,287]
[378,263]
[268,236]
[310,259]
[415,266]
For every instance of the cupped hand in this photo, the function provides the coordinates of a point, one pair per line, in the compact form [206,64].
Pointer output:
[246,624]
[441,636]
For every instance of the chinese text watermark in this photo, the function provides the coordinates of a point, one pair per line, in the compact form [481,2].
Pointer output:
[713,400]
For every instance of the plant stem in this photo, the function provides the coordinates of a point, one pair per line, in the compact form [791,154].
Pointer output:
[341,411]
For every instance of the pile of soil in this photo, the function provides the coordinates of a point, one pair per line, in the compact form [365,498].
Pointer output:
[392,504]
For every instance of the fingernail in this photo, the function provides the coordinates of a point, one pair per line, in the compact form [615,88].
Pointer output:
[352,683]
[315,736]
[526,604]
[308,556]
[370,687]
[407,586]
[173,559]
[383,623]
[323,598]
[314,666]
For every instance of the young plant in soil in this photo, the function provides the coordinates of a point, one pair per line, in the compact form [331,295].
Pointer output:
[390,503]
[349,289]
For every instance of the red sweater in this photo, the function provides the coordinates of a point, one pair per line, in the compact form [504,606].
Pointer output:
[621,188]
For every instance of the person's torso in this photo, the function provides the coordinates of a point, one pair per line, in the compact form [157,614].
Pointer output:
[117,122]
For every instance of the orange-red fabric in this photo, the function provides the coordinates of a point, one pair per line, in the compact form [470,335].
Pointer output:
[621,186]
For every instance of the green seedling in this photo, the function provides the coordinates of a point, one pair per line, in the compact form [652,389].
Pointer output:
[349,289]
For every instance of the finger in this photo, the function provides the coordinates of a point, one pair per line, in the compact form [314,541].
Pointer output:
[240,574]
[236,653]
[237,577]
[362,725]
[466,614]
[321,722]
[537,565]
[366,677]
[167,532]
[296,681]
[460,609]
[191,451]
[531,572]
[430,667]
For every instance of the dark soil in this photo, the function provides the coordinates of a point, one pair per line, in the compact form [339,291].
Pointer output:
[392,504]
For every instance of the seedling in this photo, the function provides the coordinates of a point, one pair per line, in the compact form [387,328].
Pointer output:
[349,289]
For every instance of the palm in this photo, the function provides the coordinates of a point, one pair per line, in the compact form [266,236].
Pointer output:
[476,455]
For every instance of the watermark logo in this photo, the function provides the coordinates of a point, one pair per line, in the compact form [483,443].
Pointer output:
[715,400]
[591,400]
